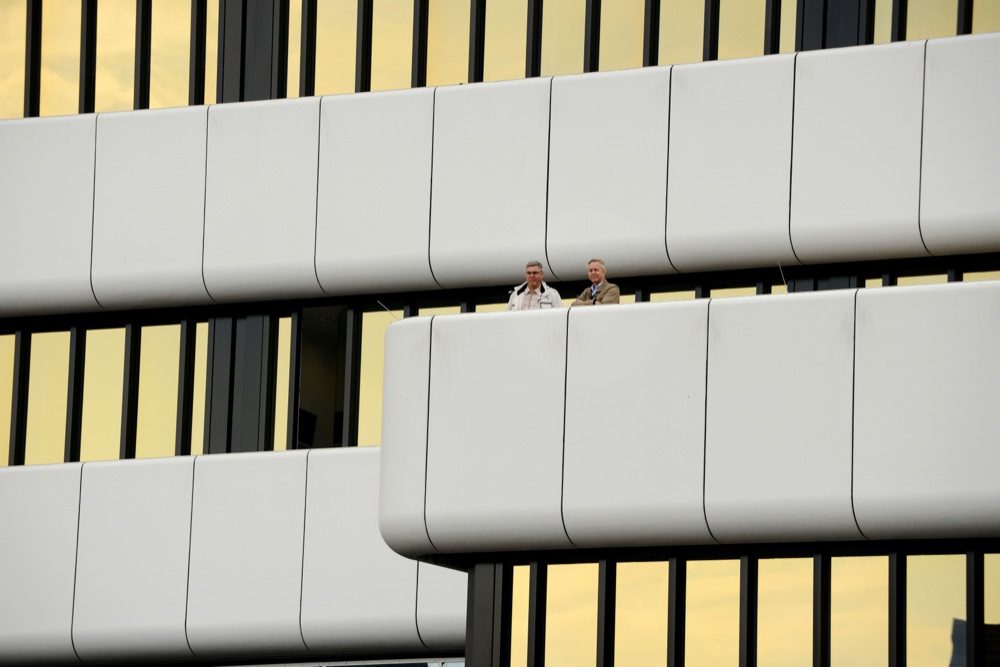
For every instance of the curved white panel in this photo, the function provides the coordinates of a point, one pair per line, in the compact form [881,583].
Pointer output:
[608,172]
[260,205]
[245,580]
[959,197]
[46,209]
[488,199]
[442,600]
[495,432]
[856,162]
[730,154]
[149,208]
[39,506]
[926,452]
[132,563]
[404,436]
[635,425]
[778,427]
[375,192]
[356,592]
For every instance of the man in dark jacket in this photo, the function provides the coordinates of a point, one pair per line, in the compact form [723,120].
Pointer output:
[600,290]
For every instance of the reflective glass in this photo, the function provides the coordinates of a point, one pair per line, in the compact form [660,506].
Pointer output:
[627,298]
[447,42]
[519,616]
[159,364]
[882,30]
[683,295]
[506,40]
[934,279]
[211,51]
[935,599]
[115,65]
[169,54]
[622,34]
[926,19]
[563,23]
[13,17]
[392,44]
[571,615]
[788,16]
[373,326]
[198,393]
[779,289]
[726,292]
[741,28]
[103,380]
[60,80]
[682,27]
[784,612]
[713,613]
[294,48]
[336,46]
[859,611]
[641,614]
[47,394]
[491,307]
[981,275]
[6,394]
[282,375]
[992,593]
[986,17]
[440,310]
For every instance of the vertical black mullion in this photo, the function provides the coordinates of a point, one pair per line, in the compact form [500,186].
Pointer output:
[143,36]
[480,620]
[763,287]
[975,637]
[866,22]
[897,609]
[537,604]
[821,610]
[418,64]
[533,40]
[607,583]
[503,590]
[185,388]
[641,294]
[19,398]
[710,47]
[748,610]
[267,380]
[363,59]
[955,275]
[964,26]
[592,37]
[651,34]
[889,280]
[294,373]
[218,389]
[307,50]
[196,66]
[74,397]
[229,86]
[898,20]
[88,54]
[352,377]
[130,390]
[32,58]
[772,27]
[279,50]
[477,40]
[810,25]
[676,612]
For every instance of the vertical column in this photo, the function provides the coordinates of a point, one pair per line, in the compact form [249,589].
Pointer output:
[130,390]
[477,40]
[352,377]
[487,631]
[676,612]
[710,47]
[218,389]
[363,59]
[592,37]
[651,35]
[32,58]
[88,54]
[307,50]
[196,65]
[185,387]
[229,87]
[252,426]
[772,26]
[607,584]
[897,609]
[964,26]
[74,397]
[898,20]
[19,394]
[975,630]
[143,37]
[294,365]
[537,603]
[748,611]
[418,62]
[533,41]
[821,610]
[810,22]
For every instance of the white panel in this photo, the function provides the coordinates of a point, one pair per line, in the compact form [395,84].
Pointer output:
[778,427]
[926,448]
[46,209]
[730,154]
[246,554]
[608,172]
[442,600]
[488,201]
[149,208]
[260,207]
[375,192]
[635,425]
[959,199]
[404,436]
[494,450]
[856,163]
[357,594]
[131,583]
[39,506]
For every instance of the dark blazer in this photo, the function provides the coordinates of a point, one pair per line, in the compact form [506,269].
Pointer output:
[607,293]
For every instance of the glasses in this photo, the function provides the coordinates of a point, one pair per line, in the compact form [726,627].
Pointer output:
[533,273]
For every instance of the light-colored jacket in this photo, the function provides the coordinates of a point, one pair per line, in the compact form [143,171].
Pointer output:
[547,297]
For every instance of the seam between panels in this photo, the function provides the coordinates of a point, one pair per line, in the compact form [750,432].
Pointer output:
[319,155]
[854,382]
[666,189]
[93,216]
[704,435]
[562,477]
[76,564]
[427,426]
[920,162]
[416,608]
[187,589]
[302,568]
[204,204]
[791,157]
[430,197]
[548,165]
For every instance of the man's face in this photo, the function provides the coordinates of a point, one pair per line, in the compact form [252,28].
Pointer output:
[595,272]
[533,274]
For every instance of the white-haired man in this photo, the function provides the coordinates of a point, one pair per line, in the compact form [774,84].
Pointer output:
[533,293]
[600,290]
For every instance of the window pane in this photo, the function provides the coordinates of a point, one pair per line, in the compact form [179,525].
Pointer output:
[336,44]
[672,296]
[788,16]
[373,326]
[60,80]
[282,376]
[992,578]
[491,307]
[981,275]
[935,600]
[741,28]
[986,17]
[784,612]
[439,310]
[927,19]
[103,378]
[641,614]
[200,383]
[47,394]
[934,279]
[159,362]
[726,292]
[682,27]
[294,48]
[392,44]
[506,35]
[6,394]
[882,30]
[169,54]
[321,379]
[571,615]
[622,34]
[859,611]
[447,42]
[519,616]
[113,82]
[211,51]
[13,25]
[713,613]
[563,23]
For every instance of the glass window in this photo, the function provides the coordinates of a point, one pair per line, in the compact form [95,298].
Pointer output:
[622,34]
[713,613]
[986,17]
[294,49]
[981,275]
[13,22]
[882,30]
[563,24]
[211,52]
[641,614]
[779,289]
[519,603]
[6,394]
[491,307]
[726,292]
[114,79]
[282,375]
[788,16]
[321,379]
[926,19]
[47,394]
[859,611]
[683,295]
[935,599]
[170,54]
[627,298]
[506,40]
[992,577]
[336,46]
[392,44]
[682,28]
[103,380]
[447,42]
[373,326]
[200,384]
[741,28]
[60,81]
[784,611]
[571,615]
[159,365]
[934,279]
[440,310]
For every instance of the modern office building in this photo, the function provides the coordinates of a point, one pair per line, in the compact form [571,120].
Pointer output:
[258,407]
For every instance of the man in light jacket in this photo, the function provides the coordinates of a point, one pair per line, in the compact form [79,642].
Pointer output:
[533,293]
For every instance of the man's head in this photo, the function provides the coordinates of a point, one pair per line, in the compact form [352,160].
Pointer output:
[595,271]
[533,274]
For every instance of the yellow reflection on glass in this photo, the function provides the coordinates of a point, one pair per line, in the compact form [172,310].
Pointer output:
[992,579]
[113,82]
[392,44]
[859,611]
[926,19]
[779,289]
[13,17]
[440,310]
[336,44]
[103,377]
[506,40]
[741,28]
[873,282]
[211,51]
[923,280]
[571,615]
[198,392]
[713,613]
[491,307]
[726,292]
[294,49]
[935,596]
[627,298]
[682,26]
[47,394]
[282,375]
[641,614]
[169,54]
[519,616]
[373,326]
[563,23]
[60,81]
[156,421]
[447,42]
[784,612]
[6,394]
[788,16]
[622,34]
[986,17]
[882,30]
[672,296]
[981,275]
